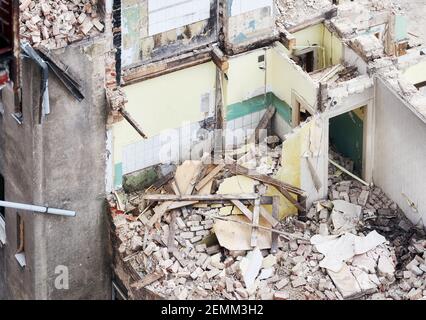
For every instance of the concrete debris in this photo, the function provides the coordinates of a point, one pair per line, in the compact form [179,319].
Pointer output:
[344,216]
[54,24]
[250,267]
[369,254]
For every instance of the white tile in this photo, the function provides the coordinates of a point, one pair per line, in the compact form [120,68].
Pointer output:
[238,123]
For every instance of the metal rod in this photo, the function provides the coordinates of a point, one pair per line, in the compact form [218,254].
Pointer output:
[39,209]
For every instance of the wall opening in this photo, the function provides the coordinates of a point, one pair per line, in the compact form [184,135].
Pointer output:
[346,140]
[306,60]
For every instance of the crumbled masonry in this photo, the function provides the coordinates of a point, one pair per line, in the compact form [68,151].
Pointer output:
[390,262]
[54,24]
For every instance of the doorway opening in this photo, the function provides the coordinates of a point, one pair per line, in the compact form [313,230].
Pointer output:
[346,140]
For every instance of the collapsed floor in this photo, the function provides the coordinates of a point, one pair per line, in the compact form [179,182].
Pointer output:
[355,244]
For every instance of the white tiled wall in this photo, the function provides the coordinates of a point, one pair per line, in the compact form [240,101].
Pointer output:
[174,145]
[167,15]
[243,6]
[280,126]
[241,128]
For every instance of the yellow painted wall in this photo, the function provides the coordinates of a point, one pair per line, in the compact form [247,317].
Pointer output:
[417,73]
[320,35]
[164,103]
[294,148]
[284,77]
[245,78]
[333,48]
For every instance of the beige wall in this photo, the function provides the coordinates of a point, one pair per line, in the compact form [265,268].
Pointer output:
[164,103]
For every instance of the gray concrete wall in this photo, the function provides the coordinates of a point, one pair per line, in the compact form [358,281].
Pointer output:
[400,153]
[60,163]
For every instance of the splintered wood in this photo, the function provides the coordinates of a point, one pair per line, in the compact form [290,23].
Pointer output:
[55,23]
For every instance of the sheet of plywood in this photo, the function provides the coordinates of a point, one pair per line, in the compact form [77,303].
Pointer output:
[235,236]
[185,173]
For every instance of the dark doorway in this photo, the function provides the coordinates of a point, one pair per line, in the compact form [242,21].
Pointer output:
[347,137]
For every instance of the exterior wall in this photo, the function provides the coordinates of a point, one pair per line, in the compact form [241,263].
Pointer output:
[60,163]
[144,41]
[399,161]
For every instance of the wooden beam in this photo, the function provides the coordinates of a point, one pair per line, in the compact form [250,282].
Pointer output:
[133,122]
[237,169]
[172,232]
[243,209]
[220,60]
[263,124]
[200,197]
[165,66]
[287,39]
[271,219]
[275,212]
[147,280]
[209,177]
[254,230]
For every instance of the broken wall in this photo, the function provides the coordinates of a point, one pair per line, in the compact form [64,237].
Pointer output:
[399,158]
[289,81]
[302,160]
[330,51]
[416,74]
[247,22]
[154,30]
[163,106]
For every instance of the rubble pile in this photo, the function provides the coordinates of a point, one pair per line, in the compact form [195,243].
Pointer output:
[293,12]
[357,244]
[55,23]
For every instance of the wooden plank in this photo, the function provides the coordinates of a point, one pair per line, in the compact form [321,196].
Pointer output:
[172,233]
[219,59]
[147,280]
[182,204]
[243,209]
[263,124]
[159,211]
[275,212]
[255,223]
[209,177]
[283,188]
[195,179]
[133,123]
[200,197]
[264,213]
[237,169]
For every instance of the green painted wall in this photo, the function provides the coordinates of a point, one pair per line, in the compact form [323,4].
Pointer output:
[118,174]
[258,103]
[346,136]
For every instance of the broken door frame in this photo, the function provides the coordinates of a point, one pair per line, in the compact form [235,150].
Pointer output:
[296,102]
[365,99]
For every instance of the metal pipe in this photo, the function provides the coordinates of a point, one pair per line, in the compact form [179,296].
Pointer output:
[40,209]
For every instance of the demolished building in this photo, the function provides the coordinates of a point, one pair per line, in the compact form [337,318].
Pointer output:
[237,142]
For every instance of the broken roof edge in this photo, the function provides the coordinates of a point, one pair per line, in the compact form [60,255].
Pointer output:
[421,114]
